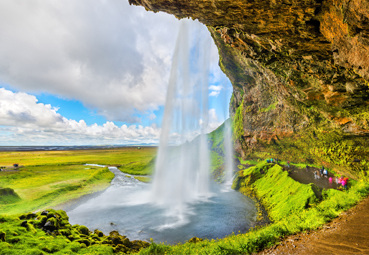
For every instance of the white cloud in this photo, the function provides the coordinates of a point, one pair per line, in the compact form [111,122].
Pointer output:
[25,121]
[214,93]
[215,90]
[111,56]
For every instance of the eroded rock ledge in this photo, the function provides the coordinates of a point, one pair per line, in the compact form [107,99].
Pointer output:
[295,66]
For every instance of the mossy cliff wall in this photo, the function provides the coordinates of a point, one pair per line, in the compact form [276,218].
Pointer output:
[300,73]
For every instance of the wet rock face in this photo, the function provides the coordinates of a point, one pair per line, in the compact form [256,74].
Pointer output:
[345,23]
[293,64]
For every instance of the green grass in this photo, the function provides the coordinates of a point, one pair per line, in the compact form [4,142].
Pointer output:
[143,166]
[44,186]
[281,202]
[145,179]
[8,196]
[49,178]
[117,157]
[248,161]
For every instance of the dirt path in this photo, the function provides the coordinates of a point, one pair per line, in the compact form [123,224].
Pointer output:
[348,234]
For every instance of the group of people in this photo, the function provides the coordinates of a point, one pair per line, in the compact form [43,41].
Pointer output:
[272,160]
[322,172]
[343,181]
[339,181]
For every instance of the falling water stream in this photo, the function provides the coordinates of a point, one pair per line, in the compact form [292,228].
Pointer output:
[182,174]
[181,202]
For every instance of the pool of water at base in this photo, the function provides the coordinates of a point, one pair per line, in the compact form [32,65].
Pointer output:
[126,207]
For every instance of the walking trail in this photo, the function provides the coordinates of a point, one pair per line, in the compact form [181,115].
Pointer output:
[347,234]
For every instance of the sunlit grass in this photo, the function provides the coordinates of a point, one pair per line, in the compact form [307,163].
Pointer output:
[45,186]
[143,179]
[48,178]
[118,156]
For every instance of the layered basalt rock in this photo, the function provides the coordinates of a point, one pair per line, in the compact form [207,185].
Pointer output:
[294,65]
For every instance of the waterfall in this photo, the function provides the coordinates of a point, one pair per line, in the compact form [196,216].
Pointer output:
[183,161]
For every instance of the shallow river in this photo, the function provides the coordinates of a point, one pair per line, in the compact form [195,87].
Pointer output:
[125,206]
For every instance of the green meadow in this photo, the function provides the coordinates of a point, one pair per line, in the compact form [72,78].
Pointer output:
[117,157]
[48,178]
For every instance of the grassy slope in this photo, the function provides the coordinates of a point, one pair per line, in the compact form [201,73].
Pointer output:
[217,152]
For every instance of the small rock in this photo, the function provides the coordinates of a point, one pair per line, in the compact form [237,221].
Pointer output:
[45,213]
[2,236]
[49,226]
[24,224]
[195,240]
[99,233]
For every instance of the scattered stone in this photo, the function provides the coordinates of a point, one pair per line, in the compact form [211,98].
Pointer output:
[27,216]
[120,248]
[99,233]
[83,230]
[49,225]
[24,224]
[44,213]
[2,236]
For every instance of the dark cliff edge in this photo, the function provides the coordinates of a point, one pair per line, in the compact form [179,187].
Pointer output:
[300,73]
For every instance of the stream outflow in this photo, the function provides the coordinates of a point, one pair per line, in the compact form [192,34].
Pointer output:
[126,207]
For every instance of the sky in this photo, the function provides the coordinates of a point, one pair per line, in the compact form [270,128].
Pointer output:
[91,72]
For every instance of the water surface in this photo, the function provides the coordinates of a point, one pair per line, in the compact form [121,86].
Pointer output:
[125,206]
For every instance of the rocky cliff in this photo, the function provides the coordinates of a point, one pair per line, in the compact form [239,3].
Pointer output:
[300,73]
